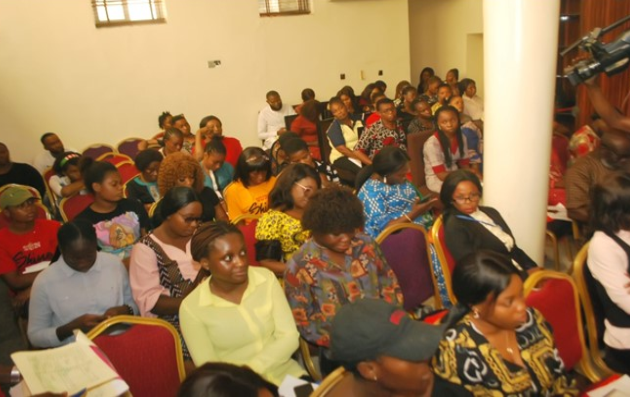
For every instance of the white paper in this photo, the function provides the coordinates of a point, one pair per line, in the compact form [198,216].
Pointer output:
[558,212]
[70,368]
[617,388]
[36,267]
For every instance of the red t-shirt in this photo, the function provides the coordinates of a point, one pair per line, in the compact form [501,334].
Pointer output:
[374,117]
[20,251]
[233,149]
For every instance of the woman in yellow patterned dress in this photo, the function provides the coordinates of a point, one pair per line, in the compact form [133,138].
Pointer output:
[494,344]
[279,231]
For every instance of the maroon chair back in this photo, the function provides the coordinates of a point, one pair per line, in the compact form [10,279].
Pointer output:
[145,357]
[96,150]
[406,253]
[129,147]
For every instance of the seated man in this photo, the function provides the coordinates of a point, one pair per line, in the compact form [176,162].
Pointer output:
[23,174]
[25,242]
[53,147]
[613,155]
[271,119]
[386,132]
[387,353]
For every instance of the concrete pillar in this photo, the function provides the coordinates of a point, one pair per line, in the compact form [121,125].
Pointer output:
[520,50]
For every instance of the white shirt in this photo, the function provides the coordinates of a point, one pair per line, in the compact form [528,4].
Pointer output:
[473,107]
[61,294]
[609,264]
[45,160]
[270,122]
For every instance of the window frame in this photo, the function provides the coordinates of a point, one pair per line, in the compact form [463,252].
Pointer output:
[304,8]
[159,18]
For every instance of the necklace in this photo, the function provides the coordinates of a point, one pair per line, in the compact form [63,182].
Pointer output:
[508,348]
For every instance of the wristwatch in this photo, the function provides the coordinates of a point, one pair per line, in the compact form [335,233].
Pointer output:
[16,377]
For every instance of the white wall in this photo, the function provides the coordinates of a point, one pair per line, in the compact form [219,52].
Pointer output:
[439,37]
[59,73]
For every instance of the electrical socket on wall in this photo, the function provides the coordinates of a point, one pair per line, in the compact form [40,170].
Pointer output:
[214,63]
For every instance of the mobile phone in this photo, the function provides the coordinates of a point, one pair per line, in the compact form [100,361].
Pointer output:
[303,390]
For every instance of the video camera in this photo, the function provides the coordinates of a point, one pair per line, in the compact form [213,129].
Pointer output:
[611,58]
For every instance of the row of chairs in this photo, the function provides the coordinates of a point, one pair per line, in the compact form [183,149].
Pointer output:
[128,147]
[561,299]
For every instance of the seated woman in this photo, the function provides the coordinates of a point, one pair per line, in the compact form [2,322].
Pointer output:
[446,150]
[425,74]
[68,181]
[253,181]
[469,227]
[343,135]
[81,288]
[181,124]
[297,152]
[452,79]
[239,315]
[218,173]
[338,265]
[406,112]
[388,197]
[430,95]
[424,120]
[210,128]
[471,132]
[473,104]
[215,379]
[162,271]
[172,142]
[495,345]
[165,121]
[609,263]
[143,187]
[119,222]
[305,125]
[279,231]
[387,353]
[398,96]
[349,99]
[181,169]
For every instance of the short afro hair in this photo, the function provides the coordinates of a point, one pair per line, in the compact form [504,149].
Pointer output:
[178,165]
[333,210]
[146,157]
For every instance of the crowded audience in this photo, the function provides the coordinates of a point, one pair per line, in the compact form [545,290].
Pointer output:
[178,240]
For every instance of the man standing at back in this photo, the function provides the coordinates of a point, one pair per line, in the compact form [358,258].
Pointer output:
[271,119]
[53,146]
[612,156]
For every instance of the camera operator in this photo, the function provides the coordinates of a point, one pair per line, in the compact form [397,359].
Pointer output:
[602,106]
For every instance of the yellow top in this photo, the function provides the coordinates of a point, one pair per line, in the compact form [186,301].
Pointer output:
[259,333]
[248,200]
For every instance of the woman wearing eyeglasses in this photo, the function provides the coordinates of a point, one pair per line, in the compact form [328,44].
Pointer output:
[279,232]
[469,227]
[388,197]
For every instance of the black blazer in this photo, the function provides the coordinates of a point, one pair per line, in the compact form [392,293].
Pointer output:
[464,237]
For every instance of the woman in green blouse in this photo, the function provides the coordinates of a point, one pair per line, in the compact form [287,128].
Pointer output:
[239,315]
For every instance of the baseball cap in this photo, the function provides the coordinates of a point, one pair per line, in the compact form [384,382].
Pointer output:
[14,196]
[369,328]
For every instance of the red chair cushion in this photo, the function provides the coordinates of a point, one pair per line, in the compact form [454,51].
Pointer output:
[145,358]
[75,204]
[556,301]
[249,233]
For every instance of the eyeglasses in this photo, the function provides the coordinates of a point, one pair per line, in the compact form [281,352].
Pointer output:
[306,189]
[473,198]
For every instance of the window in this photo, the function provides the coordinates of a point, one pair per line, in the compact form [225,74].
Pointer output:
[126,12]
[270,8]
